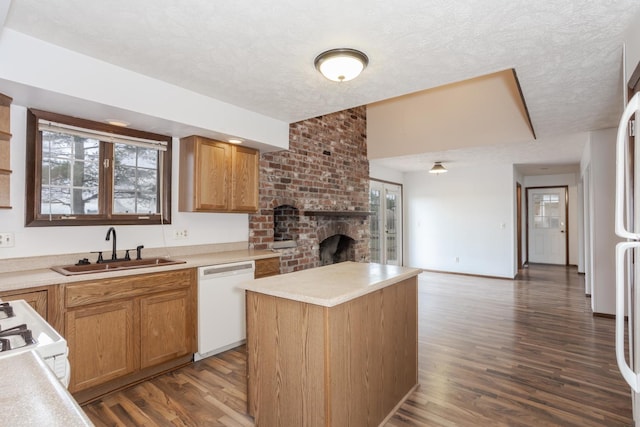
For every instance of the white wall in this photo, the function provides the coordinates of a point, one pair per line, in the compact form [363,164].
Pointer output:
[571,181]
[467,213]
[202,228]
[632,48]
[385,174]
[599,160]
[75,84]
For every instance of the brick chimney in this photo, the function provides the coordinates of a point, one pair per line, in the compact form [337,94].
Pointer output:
[318,188]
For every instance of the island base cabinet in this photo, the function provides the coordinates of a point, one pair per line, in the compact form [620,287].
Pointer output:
[285,369]
[341,366]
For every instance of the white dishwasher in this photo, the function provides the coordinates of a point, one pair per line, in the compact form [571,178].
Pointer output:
[221,307]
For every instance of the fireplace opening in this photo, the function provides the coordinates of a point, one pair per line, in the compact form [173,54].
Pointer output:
[337,248]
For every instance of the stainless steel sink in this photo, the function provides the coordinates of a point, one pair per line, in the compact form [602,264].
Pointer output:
[72,269]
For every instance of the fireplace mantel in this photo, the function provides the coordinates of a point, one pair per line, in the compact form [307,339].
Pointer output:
[336,213]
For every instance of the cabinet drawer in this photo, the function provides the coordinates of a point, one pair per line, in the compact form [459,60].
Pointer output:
[267,267]
[90,292]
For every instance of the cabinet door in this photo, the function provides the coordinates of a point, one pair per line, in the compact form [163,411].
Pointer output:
[244,190]
[166,327]
[212,175]
[101,342]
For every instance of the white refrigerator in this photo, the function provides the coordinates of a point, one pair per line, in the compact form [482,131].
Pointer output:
[627,226]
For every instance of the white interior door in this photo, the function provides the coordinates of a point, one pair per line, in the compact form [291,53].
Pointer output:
[547,225]
[385,226]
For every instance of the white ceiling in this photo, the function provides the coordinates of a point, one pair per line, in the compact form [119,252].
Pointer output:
[259,55]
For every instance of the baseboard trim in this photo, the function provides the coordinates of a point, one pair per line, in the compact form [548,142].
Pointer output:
[605,315]
[467,274]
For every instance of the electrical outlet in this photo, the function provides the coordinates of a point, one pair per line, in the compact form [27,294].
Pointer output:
[457,259]
[6,240]
[180,234]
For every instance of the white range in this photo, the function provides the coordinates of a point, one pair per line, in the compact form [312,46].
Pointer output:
[22,329]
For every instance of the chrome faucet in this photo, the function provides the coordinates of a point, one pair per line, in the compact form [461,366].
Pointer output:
[114,255]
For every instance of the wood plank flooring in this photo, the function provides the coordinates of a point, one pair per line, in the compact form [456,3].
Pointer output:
[492,353]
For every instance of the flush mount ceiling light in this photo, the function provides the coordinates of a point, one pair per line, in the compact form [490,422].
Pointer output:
[438,168]
[235,141]
[341,65]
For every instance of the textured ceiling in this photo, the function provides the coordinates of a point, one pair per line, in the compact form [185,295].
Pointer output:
[259,55]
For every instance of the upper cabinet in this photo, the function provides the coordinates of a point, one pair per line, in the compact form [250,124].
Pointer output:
[244,181]
[217,177]
[5,163]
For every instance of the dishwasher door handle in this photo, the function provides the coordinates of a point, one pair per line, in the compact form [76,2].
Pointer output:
[227,269]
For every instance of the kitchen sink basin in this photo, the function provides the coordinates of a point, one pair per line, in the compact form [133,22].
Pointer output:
[74,269]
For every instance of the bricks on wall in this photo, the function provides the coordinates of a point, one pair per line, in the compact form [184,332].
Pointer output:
[325,169]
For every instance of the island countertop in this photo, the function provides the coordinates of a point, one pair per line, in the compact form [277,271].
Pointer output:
[333,284]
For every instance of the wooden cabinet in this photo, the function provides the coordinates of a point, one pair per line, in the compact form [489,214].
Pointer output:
[349,364]
[101,342]
[244,182]
[37,298]
[217,177]
[5,154]
[166,332]
[127,328]
[46,300]
[205,175]
[267,267]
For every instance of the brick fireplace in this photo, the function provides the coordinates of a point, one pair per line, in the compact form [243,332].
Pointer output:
[317,189]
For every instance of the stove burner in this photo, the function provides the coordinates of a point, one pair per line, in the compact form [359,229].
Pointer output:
[6,311]
[16,337]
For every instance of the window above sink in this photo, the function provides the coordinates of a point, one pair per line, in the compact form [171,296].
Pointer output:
[81,172]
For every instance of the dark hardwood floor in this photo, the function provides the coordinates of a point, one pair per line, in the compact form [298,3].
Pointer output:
[492,353]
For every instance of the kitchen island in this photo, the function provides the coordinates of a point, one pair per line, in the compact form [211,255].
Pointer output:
[331,346]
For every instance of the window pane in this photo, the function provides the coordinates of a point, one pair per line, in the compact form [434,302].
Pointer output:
[546,210]
[391,231]
[374,229]
[135,180]
[70,174]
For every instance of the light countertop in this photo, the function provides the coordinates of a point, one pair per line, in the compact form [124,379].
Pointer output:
[31,395]
[332,284]
[29,278]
